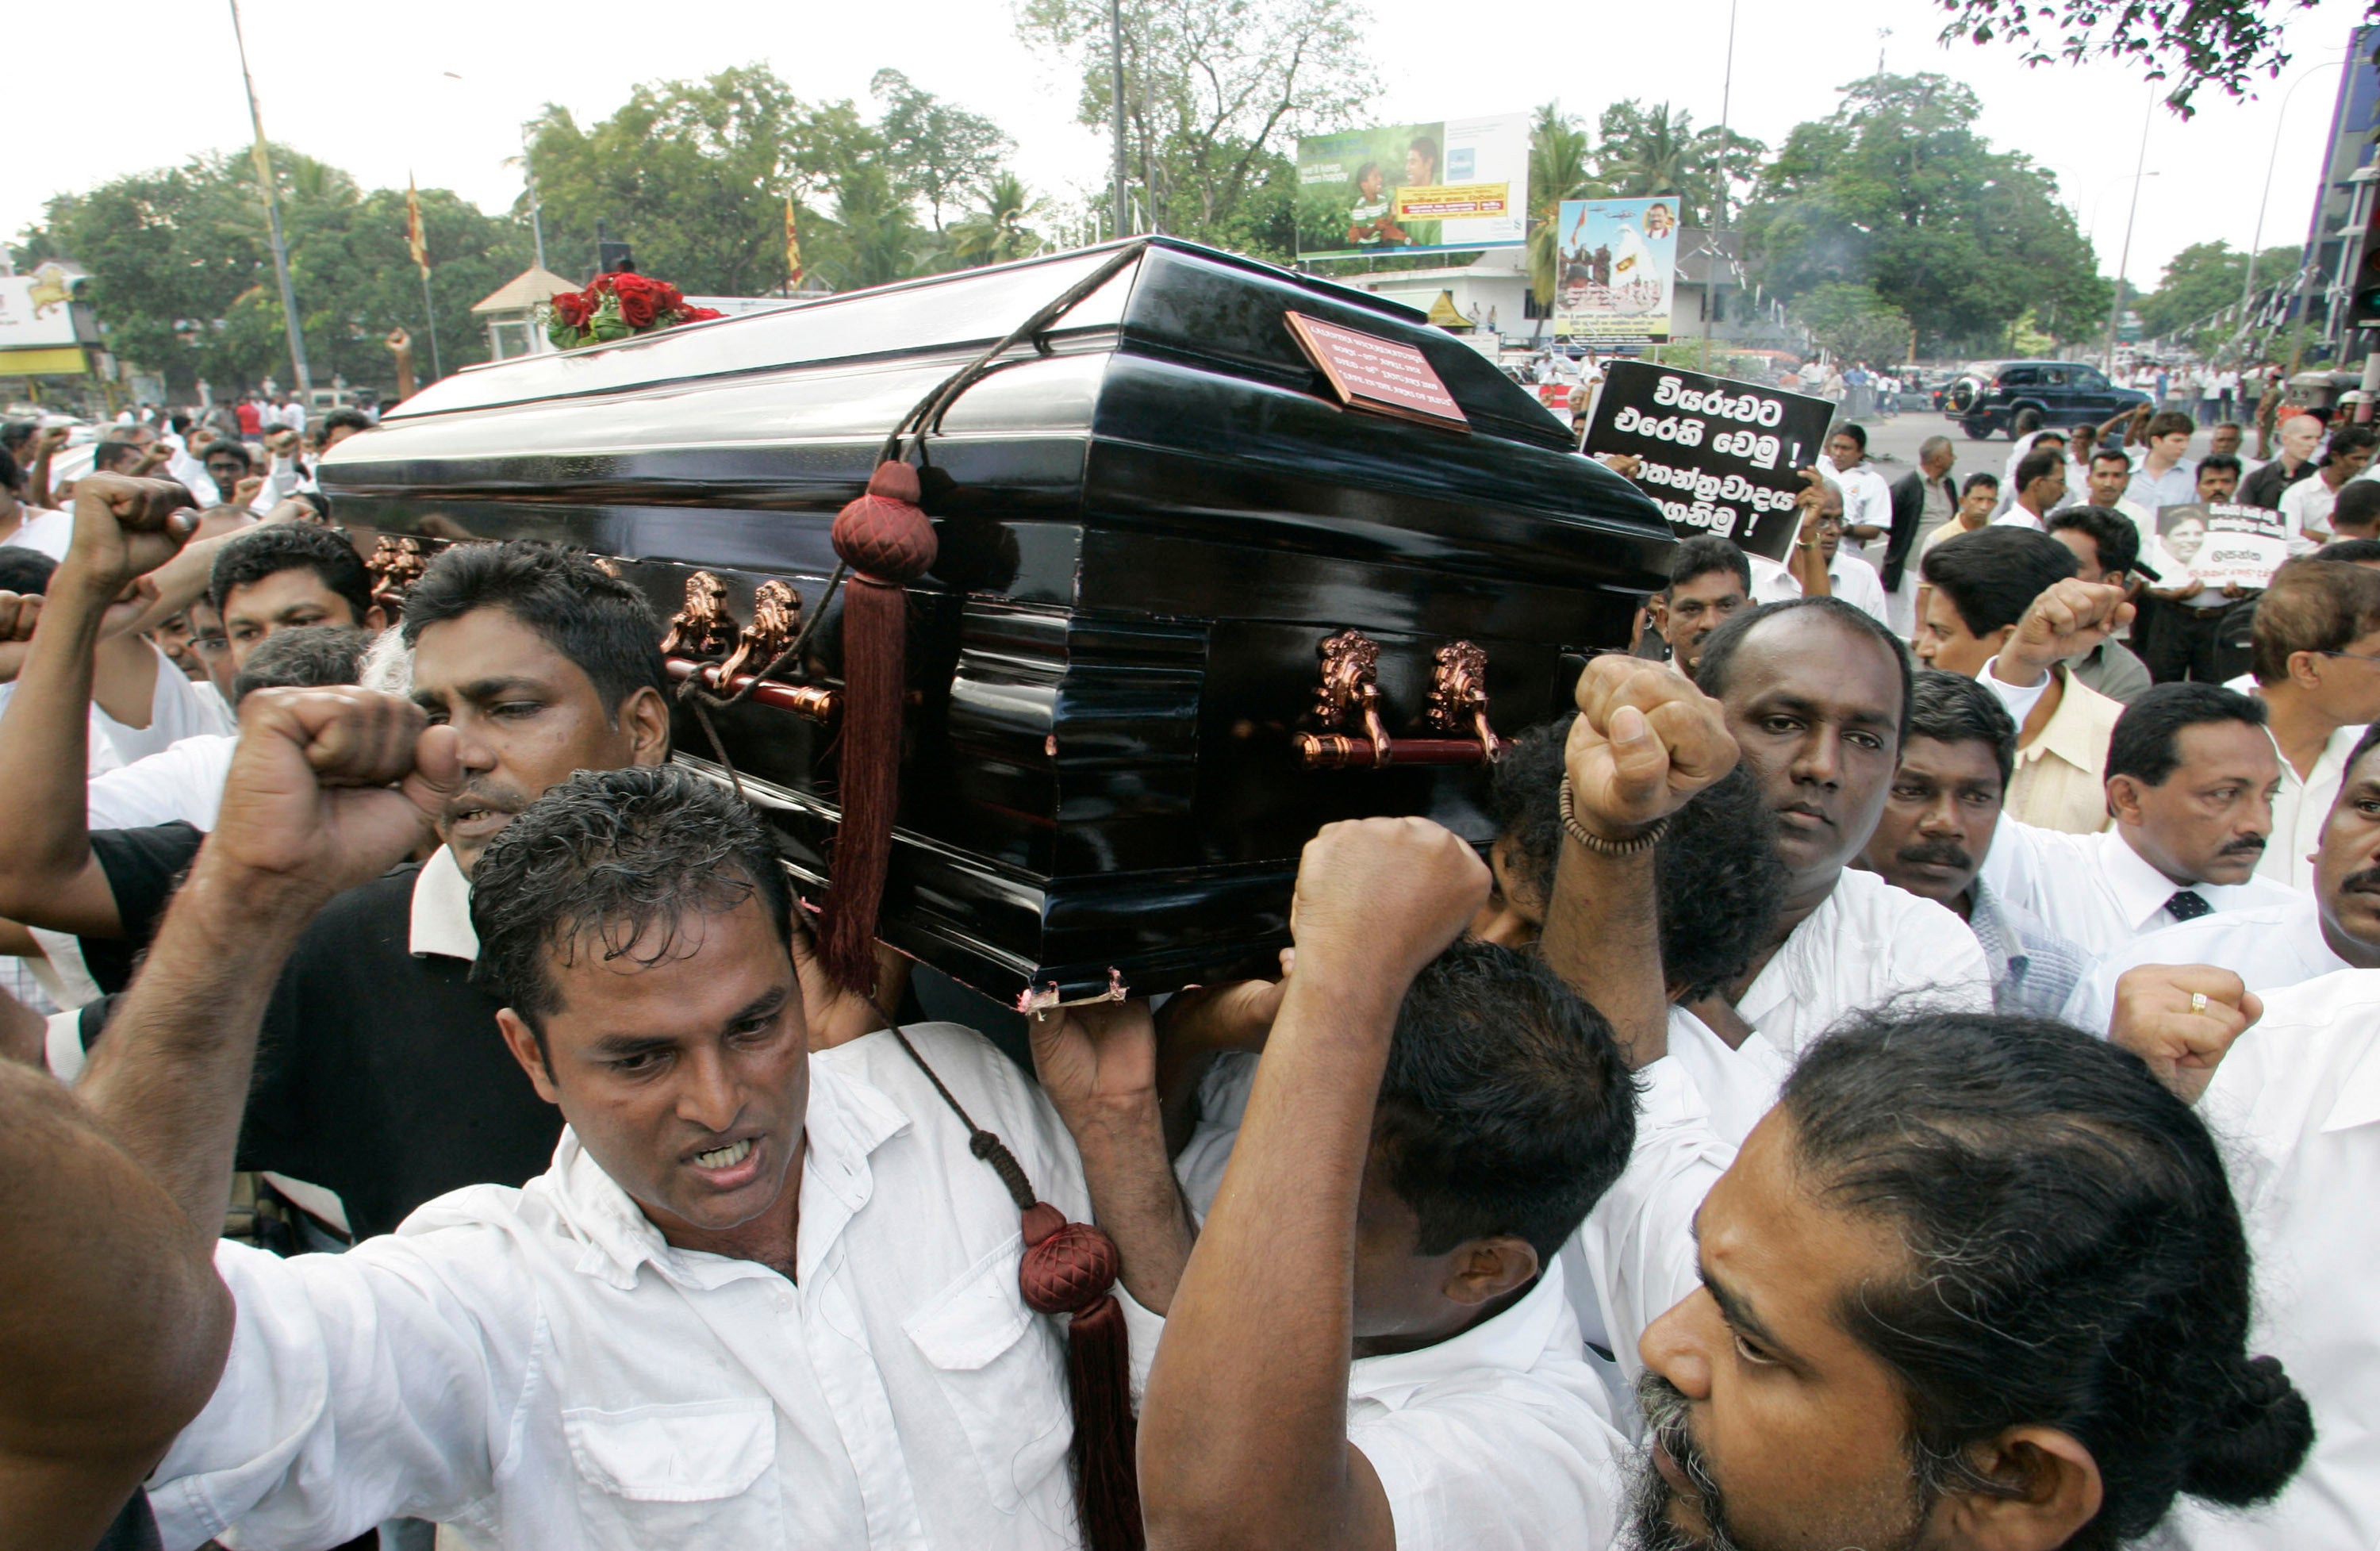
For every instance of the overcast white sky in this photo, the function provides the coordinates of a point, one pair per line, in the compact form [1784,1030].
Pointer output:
[365,88]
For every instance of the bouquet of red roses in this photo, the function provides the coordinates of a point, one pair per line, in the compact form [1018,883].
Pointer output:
[618,307]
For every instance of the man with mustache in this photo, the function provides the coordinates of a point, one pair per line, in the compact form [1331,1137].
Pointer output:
[2191,778]
[2315,666]
[1816,694]
[2332,927]
[1936,829]
[1709,580]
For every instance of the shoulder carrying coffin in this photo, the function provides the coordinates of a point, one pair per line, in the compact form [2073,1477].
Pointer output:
[1132,695]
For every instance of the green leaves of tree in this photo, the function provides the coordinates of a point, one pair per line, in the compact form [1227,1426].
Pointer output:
[2190,42]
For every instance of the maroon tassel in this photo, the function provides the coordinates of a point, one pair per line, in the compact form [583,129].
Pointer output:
[1070,1267]
[888,542]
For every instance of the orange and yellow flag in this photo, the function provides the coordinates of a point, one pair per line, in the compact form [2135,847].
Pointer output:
[792,250]
[414,241]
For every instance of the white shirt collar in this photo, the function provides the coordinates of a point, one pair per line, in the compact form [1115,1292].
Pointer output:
[1512,1340]
[2141,891]
[846,1121]
[442,911]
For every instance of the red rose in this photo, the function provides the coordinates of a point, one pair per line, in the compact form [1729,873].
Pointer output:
[572,308]
[636,307]
[696,314]
[669,297]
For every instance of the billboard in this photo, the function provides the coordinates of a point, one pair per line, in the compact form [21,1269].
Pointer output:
[36,309]
[1616,263]
[1456,185]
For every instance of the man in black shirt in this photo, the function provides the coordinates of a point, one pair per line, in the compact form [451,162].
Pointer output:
[2300,434]
[382,1080]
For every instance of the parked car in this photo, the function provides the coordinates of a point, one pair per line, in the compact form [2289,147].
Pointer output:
[2019,397]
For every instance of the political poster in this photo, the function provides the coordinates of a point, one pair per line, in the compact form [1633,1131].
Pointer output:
[36,309]
[1616,262]
[1718,456]
[1457,185]
[2220,545]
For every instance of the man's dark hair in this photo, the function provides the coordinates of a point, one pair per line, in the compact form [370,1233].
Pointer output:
[596,620]
[2048,436]
[1851,428]
[2355,551]
[2312,605]
[2219,462]
[268,551]
[12,477]
[2112,454]
[2070,1258]
[1427,146]
[603,859]
[1506,1107]
[1993,574]
[1706,552]
[111,456]
[2112,534]
[2147,744]
[15,433]
[308,657]
[25,570]
[1717,877]
[1954,708]
[1979,479]
[2170,423]
[2039,464]
[2358,505]
[344,418]
[2349,439]
[1718,652]
[230,449]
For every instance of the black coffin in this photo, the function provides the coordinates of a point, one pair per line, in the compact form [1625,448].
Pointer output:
[1149,526]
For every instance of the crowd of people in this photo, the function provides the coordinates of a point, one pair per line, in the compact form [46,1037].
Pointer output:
[1866,1094]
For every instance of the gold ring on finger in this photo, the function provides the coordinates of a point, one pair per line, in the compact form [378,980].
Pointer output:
[2198,1002]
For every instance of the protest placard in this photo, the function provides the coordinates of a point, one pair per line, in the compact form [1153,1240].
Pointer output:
[1719,456]
[2219,544]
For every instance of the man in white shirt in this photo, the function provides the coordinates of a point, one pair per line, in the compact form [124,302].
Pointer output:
[1389,1217]
[2316,667]
[1848,578]
[2004,607]
[760,1295]
[2110,474]
[2190,780]
[1817,697]
[2334,925]
[1848,1232]
[2165,476]
[2297,1099]
[2047,439]
[2035,488]
[1867,500]
[2305,506]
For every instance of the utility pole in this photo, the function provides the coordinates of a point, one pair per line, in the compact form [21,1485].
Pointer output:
[536,210]
[273,216]
[1726,101]
[1115,108]
[2116,310]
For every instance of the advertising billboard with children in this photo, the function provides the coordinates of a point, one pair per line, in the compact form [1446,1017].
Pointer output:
[1615,264]
[1459,184]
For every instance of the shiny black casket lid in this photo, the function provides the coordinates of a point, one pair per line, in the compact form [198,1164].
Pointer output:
[1145,533]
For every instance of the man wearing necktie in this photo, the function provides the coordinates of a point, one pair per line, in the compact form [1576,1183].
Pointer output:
[2190,779]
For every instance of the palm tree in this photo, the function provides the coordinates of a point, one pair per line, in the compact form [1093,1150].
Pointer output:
[1560,168]
[997,233]
[1657,152]
[873,238]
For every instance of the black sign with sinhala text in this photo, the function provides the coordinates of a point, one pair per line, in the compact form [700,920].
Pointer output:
[1719,456]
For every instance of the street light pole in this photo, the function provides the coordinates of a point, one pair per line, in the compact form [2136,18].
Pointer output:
[1726,101]
[273,216]
[536,209]
[1115,108]
[2116,310]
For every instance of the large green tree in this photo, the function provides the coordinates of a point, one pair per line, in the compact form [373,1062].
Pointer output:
[943,154]
[1896,192]
[1216,93]
[182,276]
